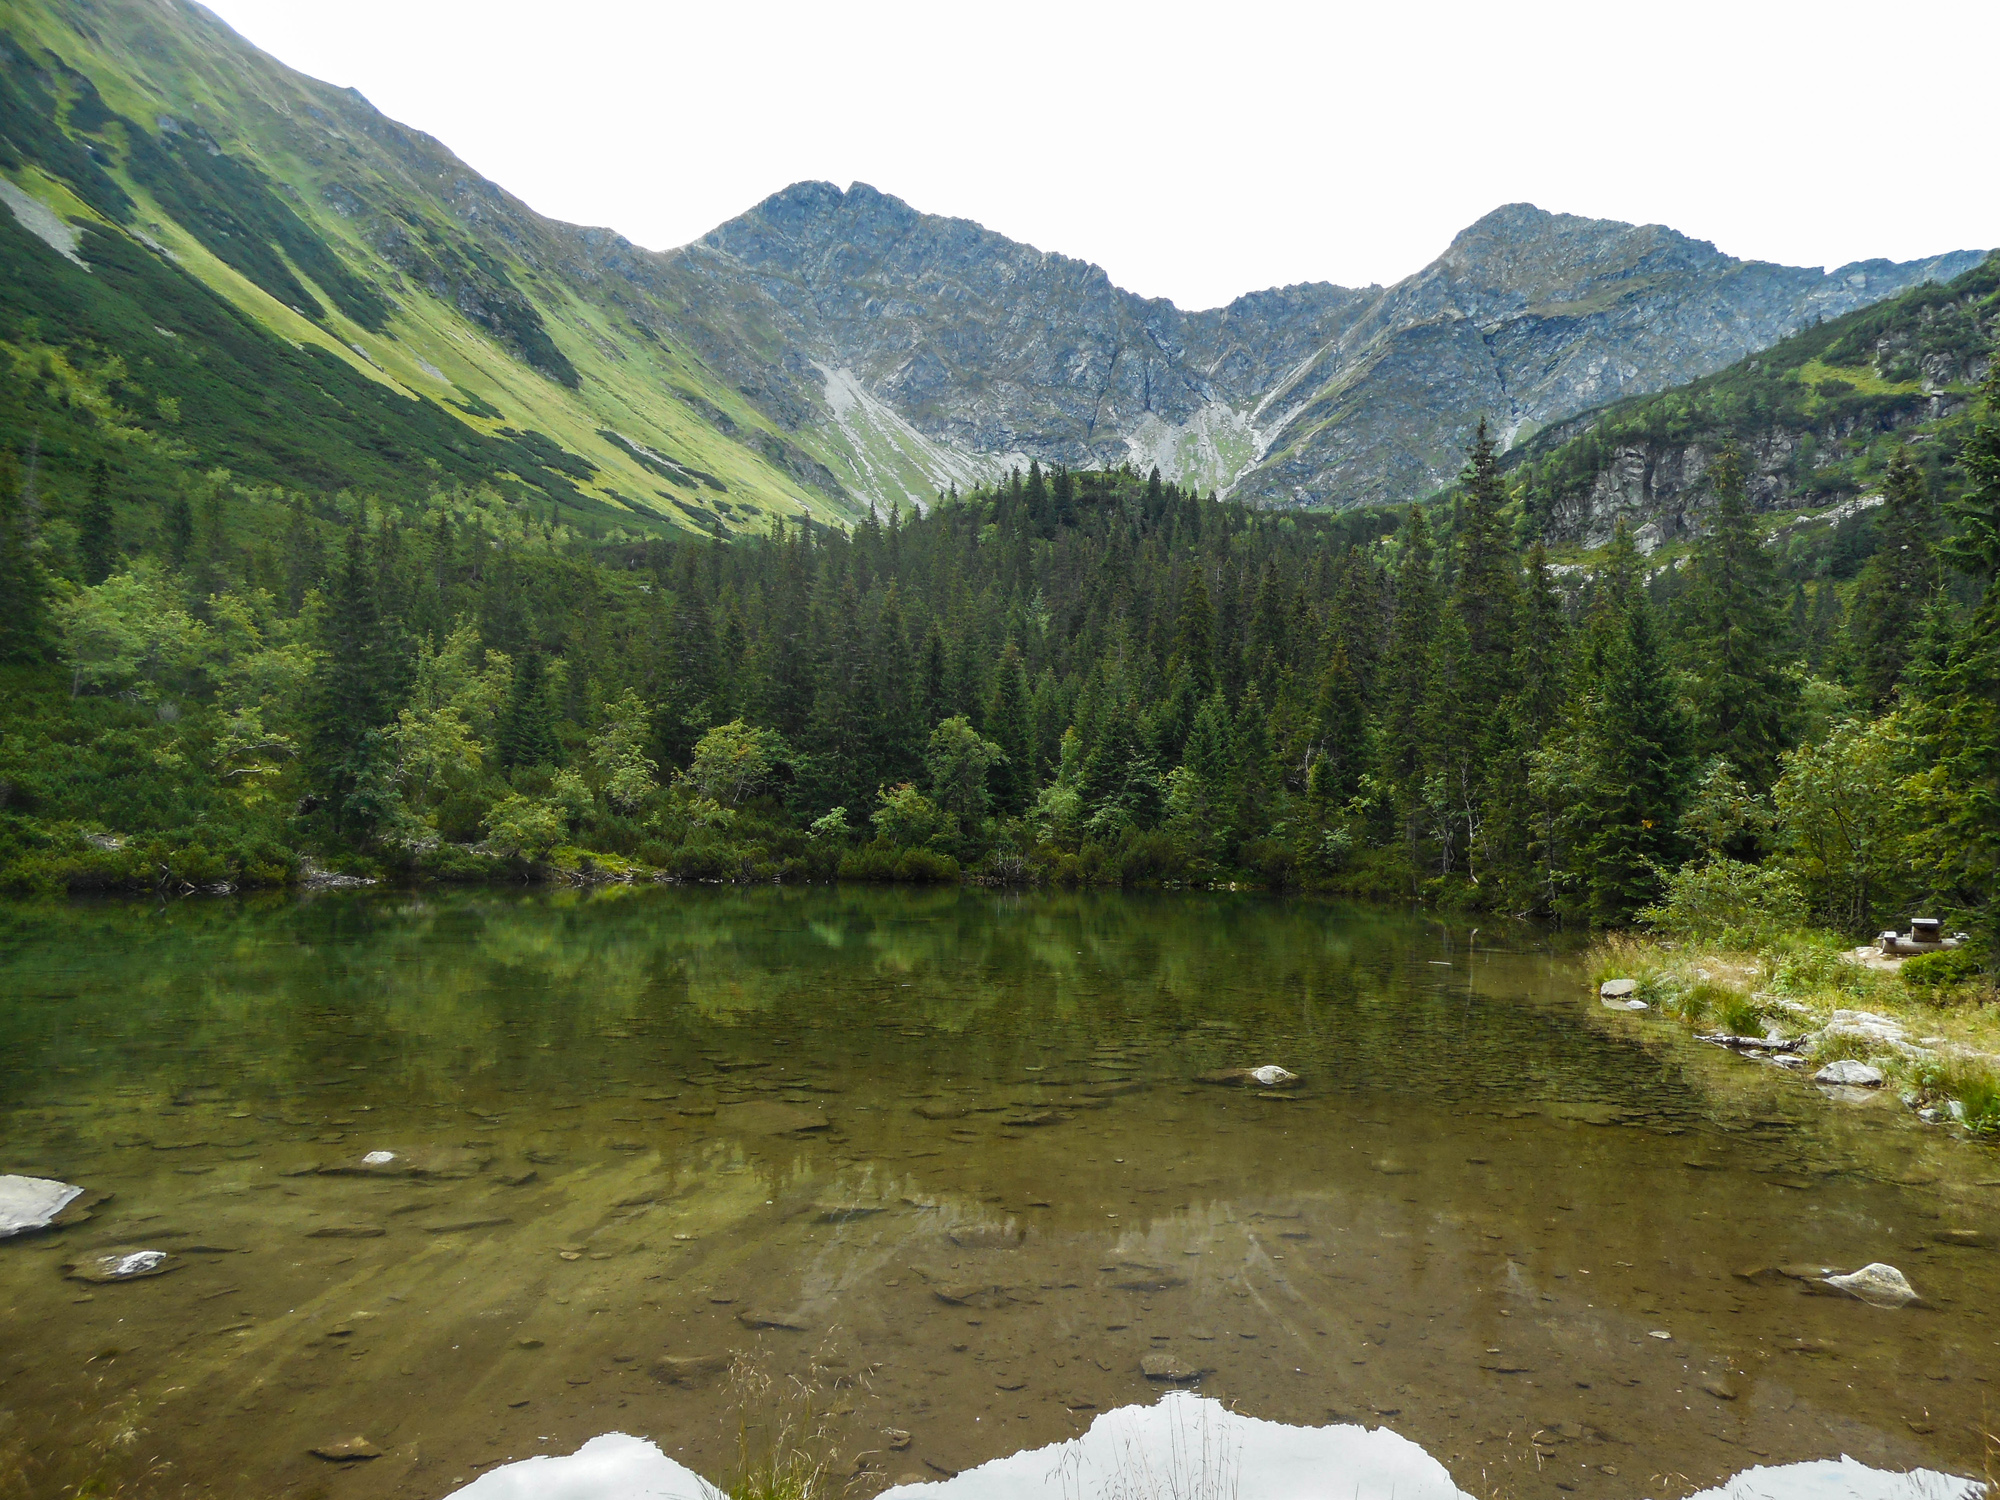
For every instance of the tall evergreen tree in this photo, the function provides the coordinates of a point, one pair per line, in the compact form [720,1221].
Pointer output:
[179,528]
[346,701]
[25,633]
[97,527]
[1730,633]
[1636,790]
[1407,663]
[1194,636]
[1340,714]
[1483,592]
[527,733]
[1896,582]
[1009,726]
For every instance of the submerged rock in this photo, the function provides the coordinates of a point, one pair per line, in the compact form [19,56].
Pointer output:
[762,1117]
[1138,1278]
[1876,1284]
[450,1164]
[31,1203]
[1269,1076]
[687,1369]
[348,1451]
[791,1322]
[125,1263]
[1173,1369]
[988,1236]
[1853,1074]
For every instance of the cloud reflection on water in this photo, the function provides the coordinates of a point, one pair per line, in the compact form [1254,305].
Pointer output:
[1184,1447]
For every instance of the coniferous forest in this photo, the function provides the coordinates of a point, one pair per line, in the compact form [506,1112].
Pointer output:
[1071,677]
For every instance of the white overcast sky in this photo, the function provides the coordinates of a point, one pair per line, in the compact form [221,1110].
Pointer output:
[1198,152]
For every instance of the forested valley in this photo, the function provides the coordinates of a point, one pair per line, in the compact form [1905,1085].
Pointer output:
[1070,677]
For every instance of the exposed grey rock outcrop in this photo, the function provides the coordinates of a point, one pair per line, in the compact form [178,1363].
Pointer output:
[1312,394]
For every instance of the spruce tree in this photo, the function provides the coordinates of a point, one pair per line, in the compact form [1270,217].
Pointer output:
[346,704]
[1009,726]
[1730,635]
[1636,789]
[933,677]
[527,731]
[1896,582]
[1406,664]
[1194,636]
[25,633]
[1340,715]
[179,528]
[1483,593]
[97,528]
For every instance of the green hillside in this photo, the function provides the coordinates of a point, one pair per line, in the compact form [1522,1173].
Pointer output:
[1817,418]
[212,262]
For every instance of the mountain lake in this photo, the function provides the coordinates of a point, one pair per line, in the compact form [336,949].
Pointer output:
[448,1180]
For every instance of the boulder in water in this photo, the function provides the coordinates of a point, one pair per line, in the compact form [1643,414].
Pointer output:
[124,1263]
[1170,1368]
[1618,989]
[1848,1071]
[31,1203]
[688,1369]
[1269,1076]
[1876,1284]
[347,1451]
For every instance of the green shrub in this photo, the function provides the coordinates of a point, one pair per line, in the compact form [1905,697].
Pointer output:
[1151,858]
[1800,963]
[926,867]
[1937,971]
[1726,901]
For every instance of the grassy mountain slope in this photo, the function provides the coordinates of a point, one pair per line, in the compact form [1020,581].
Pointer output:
[1816,417]
[238,227]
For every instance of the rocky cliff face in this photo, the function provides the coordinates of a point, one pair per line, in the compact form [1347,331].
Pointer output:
[1308,395]
[1814,417]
